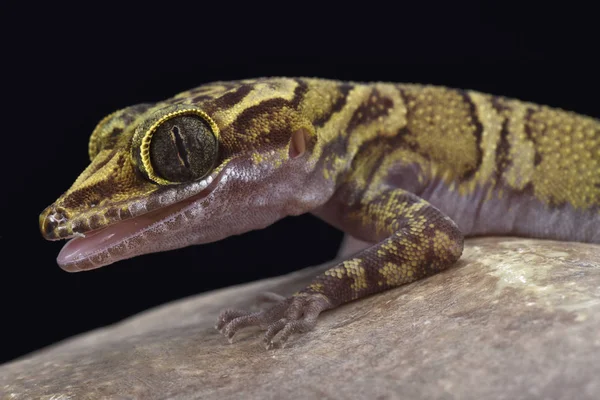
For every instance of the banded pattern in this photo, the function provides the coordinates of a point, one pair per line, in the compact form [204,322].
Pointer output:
[391,164]
[418,240]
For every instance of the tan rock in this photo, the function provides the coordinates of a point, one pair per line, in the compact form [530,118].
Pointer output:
[515,318]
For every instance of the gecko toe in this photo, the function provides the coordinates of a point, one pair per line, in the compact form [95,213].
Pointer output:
[296,314]
[279,332]
[230,328]
[227,316]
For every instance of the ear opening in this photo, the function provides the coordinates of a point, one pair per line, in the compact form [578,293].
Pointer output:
[298,143]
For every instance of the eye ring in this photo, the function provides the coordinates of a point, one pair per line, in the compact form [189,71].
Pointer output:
[143,138]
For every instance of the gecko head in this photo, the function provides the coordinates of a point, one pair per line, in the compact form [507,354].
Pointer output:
[216,161]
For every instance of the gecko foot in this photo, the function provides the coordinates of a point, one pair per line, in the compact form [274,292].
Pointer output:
[292,315]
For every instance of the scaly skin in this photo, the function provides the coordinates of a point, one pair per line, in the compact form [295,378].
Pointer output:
[390,164]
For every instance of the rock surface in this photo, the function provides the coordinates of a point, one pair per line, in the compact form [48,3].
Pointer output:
[515,318]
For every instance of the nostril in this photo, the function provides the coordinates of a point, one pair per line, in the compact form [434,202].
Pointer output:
[54,223]
[58,216]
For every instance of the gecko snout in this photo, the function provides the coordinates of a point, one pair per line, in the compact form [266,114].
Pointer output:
[54,223]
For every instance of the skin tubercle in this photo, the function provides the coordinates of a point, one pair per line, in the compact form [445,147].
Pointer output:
[449,145]
[427,139]
[410,168]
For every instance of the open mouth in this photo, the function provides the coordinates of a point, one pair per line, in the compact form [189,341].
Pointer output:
[116,242]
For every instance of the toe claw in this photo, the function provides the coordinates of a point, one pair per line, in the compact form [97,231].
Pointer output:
[275,328]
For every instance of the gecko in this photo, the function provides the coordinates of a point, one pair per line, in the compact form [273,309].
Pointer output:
[409,169]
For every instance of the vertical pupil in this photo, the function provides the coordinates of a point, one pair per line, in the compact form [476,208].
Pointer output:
[181,151]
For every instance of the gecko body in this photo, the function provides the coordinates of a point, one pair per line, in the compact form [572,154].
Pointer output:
[410,169]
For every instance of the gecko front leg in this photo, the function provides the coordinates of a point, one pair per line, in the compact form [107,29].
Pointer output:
[414,240]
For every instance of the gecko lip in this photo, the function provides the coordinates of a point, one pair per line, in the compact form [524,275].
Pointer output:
[77,253]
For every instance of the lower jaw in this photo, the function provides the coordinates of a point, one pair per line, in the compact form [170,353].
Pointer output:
[102,247]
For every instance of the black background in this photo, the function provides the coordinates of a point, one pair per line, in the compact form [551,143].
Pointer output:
[63,70]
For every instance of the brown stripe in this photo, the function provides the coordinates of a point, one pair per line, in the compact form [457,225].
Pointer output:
[498,105]
[503,150]
[526,122]
[340,102]
[537,158]
[233,97]
[268,105]
[257,109]
[370,110]
[299,93]
[404,132]
[478,136]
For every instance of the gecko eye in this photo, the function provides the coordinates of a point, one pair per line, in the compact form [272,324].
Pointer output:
[180,147]
[183,149]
